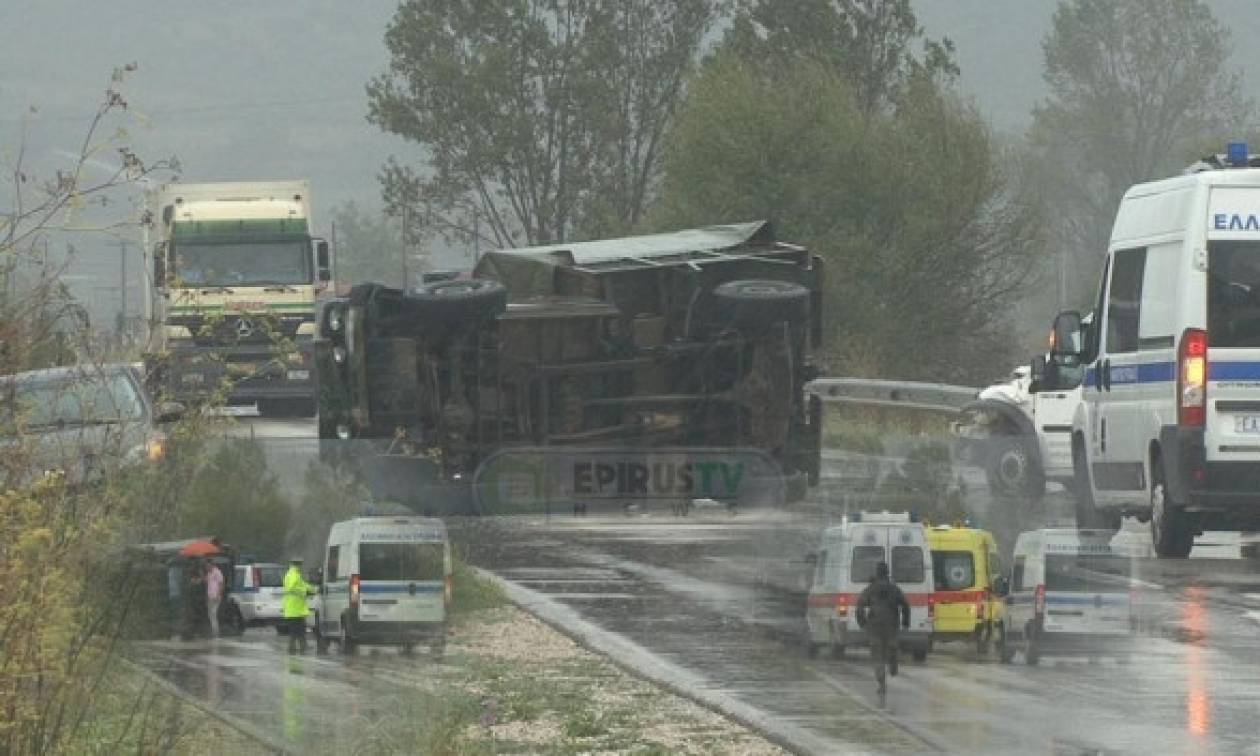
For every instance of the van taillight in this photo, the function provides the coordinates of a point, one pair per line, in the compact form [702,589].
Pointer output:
[257,575]
[931,606]
[980,608]
[1192,360]
[1039,599]
[354,590]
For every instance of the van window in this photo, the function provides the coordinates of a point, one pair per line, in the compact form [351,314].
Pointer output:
[907,564]
[334,562]
[1017,575]
[238,578]
[953,570]
[1234,294]
[1087,574]
[1124,307]
[864,560]
[401,561]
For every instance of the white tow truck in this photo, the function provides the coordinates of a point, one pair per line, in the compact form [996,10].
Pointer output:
[1020,431]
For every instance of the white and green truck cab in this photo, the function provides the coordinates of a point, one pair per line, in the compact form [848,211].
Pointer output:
[237,273]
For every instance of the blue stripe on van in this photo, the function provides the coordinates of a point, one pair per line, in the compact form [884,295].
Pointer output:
[400,588]
[1233,371]
[1165,372]
[1145,372]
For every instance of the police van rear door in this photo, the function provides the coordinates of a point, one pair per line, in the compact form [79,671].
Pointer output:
[1087,594]
[402,580]
[1231,417]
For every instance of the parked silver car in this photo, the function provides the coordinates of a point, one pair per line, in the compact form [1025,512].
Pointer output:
[82,421]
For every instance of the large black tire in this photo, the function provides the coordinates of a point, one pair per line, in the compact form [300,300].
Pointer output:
[1032,646]
[1087,514]
[1172,532]
[1013,469]
[755,304]
[461,302]
[1005,649]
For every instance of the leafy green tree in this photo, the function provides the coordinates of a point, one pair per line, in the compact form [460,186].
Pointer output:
[1137,89]
[870,42]
[235,497]
[925,241]
[535,116]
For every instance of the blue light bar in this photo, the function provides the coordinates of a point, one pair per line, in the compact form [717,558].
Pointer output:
[1236,154]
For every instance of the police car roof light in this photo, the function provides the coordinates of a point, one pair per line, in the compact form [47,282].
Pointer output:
[1236,154]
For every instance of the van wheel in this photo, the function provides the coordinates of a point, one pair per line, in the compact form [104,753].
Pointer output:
[919,654]
[982,644]
[1087,514]
[321,640]
[1005,649]
[837,650]
[348,644]
[438,649]
[407,649]
[1171,532]
[1032,648]
[811,648]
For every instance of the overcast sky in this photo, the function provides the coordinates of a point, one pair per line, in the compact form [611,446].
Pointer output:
[270,90]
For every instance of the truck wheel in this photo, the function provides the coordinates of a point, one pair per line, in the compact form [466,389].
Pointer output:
[755,304]
[461,302]
[1171,531]
[321,640]
[1013,469]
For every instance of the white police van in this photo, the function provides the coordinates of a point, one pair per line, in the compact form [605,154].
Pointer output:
[844,565]
[386,581]
[1168,429]
[1069,594]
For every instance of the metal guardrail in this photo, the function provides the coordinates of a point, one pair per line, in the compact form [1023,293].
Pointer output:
[933,397]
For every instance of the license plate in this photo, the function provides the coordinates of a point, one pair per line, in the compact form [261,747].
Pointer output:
[1247,423]
[241,368]
[299,375]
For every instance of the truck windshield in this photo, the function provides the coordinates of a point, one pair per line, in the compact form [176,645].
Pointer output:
[401,561]
[1234,294]
[1088,574]
[243,263]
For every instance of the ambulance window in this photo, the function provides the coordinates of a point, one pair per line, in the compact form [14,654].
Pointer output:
[864,560]
[1234,294]
[995,564]
[1017,576]
[334,561]
[953,570]
[1124,306]
[907,564]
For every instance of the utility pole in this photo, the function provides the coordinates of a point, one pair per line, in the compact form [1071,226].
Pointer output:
[122,289]
[406,224]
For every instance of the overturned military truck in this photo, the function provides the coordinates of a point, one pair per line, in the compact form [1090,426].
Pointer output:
[622,357]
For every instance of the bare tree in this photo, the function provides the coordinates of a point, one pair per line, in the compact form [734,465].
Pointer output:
[1136,88]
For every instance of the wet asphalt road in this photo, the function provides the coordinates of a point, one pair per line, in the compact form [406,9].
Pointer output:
[719,596]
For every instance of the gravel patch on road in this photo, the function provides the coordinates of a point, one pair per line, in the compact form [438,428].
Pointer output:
[540,692]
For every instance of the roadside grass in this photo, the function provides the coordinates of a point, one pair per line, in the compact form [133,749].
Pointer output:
[471,592]
[131,714]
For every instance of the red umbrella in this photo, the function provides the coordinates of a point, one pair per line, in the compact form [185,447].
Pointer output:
[202,548]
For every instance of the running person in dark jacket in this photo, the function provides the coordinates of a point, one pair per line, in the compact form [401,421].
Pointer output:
[878,610]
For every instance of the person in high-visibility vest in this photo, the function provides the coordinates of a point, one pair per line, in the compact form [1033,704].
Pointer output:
[294,608]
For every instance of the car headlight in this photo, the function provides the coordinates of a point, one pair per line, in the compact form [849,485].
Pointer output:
[335,319]
[155,449]
[339,355]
